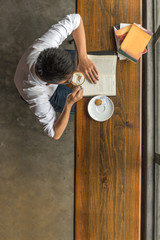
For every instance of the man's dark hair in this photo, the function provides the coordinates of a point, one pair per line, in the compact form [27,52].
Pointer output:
[54,65]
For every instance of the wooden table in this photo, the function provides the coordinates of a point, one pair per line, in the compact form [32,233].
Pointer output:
[108,155]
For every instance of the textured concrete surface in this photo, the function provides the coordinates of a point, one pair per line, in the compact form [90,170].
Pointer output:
[36,172]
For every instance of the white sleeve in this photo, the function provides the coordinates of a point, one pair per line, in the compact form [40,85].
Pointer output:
[58,32]
[44,112]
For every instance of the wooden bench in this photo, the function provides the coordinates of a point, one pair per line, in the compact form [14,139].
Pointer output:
[108,154]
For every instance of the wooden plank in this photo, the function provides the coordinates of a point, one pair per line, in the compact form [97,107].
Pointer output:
[82,153]
[108,155]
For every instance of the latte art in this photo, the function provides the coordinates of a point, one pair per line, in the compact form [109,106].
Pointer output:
[78,78]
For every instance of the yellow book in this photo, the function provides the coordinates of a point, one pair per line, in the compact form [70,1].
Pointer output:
[135,42]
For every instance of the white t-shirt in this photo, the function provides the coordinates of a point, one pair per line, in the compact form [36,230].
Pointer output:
[30,87]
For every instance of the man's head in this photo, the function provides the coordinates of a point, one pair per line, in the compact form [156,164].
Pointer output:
[54,65]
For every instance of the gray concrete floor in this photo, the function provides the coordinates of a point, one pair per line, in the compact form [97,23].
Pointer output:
[36,172]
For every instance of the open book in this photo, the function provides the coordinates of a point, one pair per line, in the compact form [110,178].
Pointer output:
[106,65]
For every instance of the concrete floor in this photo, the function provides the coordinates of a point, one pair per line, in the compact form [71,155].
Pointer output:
[36,172]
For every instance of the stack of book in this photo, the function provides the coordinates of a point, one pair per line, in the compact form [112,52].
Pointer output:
[131,41]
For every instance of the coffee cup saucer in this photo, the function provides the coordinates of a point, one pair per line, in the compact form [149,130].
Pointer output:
[102,112]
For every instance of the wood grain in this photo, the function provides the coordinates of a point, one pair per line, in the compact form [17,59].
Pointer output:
[108,154]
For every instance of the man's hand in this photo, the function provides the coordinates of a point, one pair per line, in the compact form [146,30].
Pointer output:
[62,121]
[75,96]
[89,69]
[85,65]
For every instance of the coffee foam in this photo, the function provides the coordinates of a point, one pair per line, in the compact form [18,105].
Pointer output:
[78,78]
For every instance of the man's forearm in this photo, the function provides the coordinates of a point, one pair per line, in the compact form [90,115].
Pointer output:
[63,119]
[84,63]
[62,122]
[80,40]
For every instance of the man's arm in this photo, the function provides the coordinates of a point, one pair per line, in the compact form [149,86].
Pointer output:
[58,32]
[85,65]
[63,119]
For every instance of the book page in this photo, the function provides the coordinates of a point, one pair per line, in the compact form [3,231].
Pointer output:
[106,66]
[122,25]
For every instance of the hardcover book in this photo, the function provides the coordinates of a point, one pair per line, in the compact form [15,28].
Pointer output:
[135,42]
[120,32]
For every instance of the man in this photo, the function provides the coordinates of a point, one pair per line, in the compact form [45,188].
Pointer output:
[44,70]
